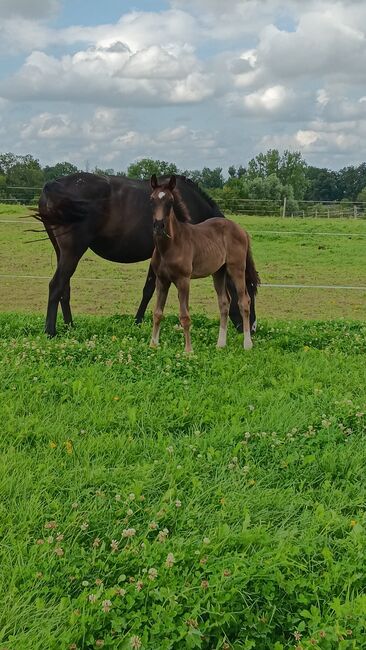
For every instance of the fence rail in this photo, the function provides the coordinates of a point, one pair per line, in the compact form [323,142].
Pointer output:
[269,208]
[260,207]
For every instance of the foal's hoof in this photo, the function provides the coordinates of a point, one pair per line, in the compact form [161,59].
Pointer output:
[50,335]
[153,345]
[220,346]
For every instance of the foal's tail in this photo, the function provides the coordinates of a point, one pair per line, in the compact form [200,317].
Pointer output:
[252,278]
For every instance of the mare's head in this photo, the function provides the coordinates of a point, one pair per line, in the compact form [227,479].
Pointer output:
[164,197]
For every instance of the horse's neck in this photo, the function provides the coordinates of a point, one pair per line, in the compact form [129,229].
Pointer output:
[171,236]
[175,226]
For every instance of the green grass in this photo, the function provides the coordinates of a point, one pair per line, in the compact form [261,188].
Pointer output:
[309,258]
[254,463]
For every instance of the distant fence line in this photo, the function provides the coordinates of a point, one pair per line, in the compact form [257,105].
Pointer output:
[313,209]
[260,207]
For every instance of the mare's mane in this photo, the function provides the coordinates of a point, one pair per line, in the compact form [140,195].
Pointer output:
[180,208]
[204,194]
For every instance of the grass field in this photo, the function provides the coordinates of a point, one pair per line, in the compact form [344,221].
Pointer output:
[311,257]
[155,501]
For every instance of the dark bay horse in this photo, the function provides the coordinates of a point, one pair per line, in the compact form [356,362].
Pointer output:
[111,215]
[183,251]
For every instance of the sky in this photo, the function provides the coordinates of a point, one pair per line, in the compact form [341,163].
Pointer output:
[195,82]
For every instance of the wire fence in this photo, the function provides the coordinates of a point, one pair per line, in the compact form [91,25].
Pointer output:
[252,207]
[303,209]
[265,285]
[262,208]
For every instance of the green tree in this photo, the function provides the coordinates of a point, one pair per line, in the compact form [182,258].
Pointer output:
[7,161]
[194,174]
[211,178]
[264,164]
[290,168]
[292,171]
[60,169]
[360,197]
[351,180]
[144,168]
[109,171]
[26,172]
[322,184]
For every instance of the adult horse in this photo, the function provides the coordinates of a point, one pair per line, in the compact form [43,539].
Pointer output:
[112,215]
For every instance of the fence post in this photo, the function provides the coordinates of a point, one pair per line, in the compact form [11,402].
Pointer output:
[284,207]
[355,211]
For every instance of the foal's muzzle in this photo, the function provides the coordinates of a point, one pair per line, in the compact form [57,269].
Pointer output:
[159,227]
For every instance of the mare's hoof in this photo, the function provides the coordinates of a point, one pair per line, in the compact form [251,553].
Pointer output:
[248,345]
[153,345]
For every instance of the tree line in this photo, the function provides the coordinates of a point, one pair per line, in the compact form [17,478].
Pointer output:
[268,176]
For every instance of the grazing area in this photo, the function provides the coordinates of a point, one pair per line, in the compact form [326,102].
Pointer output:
[310,257]
[153,500]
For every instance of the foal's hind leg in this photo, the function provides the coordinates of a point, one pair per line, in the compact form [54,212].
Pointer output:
[162,289]
[237,274]
[223,298]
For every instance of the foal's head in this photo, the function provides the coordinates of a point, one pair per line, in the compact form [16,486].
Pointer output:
[164,197]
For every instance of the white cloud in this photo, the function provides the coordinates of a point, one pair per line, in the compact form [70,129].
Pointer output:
[306,138]
[153,76]
[137,30]
[267,100]
[249,73]
[28,8]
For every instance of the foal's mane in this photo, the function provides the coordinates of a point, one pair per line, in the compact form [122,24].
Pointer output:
[180,208]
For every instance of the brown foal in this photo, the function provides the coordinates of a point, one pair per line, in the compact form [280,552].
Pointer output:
[183,251]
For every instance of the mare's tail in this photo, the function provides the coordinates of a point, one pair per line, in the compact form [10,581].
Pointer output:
[252,278]
[71,199]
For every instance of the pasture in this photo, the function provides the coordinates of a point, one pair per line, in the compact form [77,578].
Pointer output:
[157,501]
[315,256]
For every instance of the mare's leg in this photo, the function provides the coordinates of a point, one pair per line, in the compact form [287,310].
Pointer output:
[238,278]
[223,298]
[235,315]
[234,311]
[162,288]
[66,266]
[65,298]
[184,317]
[252,315]
[147,293]
[65,304]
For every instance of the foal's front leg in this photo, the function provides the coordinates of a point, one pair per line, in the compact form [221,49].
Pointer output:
[184,317]
[162,288]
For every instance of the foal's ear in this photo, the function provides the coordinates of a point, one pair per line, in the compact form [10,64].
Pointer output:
[172,182]
[154,182]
